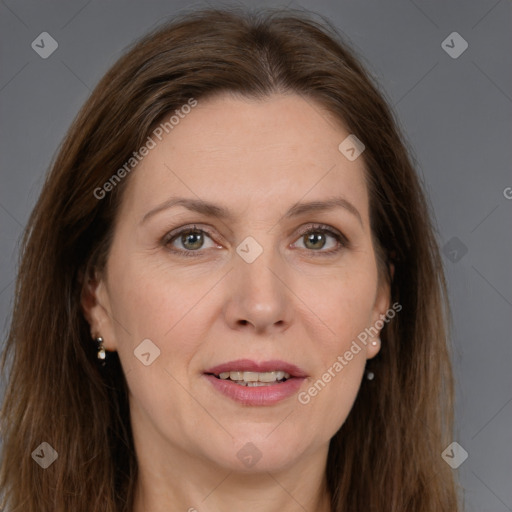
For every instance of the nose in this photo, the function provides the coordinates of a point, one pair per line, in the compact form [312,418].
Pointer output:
[258,297]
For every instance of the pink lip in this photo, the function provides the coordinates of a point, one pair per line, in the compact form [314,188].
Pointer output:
[247,365]
[261,395]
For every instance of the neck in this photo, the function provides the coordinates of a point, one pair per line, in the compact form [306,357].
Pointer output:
[174,479]
[270,492]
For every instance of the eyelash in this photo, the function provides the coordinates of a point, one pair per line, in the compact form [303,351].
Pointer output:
[343,242]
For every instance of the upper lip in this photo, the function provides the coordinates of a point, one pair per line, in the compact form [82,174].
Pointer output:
[247,365]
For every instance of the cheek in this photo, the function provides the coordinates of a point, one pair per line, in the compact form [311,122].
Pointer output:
[343,304]
[165,305]
[154,301]
[154,304]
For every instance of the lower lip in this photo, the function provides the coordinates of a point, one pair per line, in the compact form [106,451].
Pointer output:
[256,395]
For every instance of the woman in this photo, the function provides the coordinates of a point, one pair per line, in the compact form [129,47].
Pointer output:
[230,293]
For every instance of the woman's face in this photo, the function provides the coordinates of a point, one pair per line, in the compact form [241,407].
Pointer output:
[257,285]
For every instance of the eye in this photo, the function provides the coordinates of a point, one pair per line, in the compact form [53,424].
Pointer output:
[189,241]
[315,238]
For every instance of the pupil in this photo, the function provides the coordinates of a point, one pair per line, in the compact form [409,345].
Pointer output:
[192,240]
[315,238]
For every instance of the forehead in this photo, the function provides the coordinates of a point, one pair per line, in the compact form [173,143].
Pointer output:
[240,152]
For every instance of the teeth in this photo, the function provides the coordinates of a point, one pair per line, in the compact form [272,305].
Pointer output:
[255,378]
[271,376]
[247,376]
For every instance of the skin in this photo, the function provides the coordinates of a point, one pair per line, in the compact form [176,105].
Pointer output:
[257,158]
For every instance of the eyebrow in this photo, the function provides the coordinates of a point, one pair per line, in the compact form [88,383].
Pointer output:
[221,212]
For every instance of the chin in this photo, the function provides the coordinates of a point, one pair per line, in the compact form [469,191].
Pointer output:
[258,452]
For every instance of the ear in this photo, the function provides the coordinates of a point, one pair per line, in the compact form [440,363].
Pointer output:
[95,304]
[380,308]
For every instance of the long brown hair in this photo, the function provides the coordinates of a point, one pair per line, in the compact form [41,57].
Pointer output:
[387,454]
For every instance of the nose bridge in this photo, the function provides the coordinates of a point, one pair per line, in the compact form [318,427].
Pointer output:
[257,293]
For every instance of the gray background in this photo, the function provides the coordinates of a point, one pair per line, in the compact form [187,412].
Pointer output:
[457,116]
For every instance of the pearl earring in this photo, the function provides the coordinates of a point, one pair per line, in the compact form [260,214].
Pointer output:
[102,354]
[368,374]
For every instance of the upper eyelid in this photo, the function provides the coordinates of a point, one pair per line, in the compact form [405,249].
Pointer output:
[178,231]
[312,226]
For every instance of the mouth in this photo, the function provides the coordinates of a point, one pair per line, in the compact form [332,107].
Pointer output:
[256,383]
[254,379]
